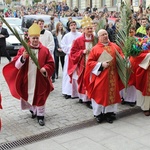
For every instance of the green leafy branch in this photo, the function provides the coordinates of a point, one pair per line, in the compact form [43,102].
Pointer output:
[125,42]
[124,69]
[122,37]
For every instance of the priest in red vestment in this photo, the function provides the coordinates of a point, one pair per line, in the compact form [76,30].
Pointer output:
[101,78]
[78,57]
[28,83]
[140,78]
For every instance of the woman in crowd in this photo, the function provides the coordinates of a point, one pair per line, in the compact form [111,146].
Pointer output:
[58,53]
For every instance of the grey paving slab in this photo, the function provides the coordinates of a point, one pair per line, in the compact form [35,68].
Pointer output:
[144,148]
[138,120]
[20,148]
[120,142]
[130,131]
[45,145]
[97,133]
[67,137]
[145,140]
[84,144]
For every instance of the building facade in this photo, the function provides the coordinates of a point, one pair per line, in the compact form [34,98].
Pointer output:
[112,5]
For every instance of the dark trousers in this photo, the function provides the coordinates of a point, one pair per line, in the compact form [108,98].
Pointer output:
[5,52]
[57,63]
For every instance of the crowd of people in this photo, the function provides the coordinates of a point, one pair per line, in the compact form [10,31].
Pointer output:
[88,61]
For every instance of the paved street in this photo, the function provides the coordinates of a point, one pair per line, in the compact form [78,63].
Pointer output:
[66,117]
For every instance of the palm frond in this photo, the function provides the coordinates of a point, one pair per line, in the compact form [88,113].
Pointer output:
[125,43]
[101,25]
[22,41]
[122,36]
[124,69]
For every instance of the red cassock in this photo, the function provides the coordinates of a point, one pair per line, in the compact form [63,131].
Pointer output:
[17,79]
[140,77]
[105,87]
[77,62]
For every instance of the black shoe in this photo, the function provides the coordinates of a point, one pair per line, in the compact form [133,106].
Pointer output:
[80,101]
[67,96]
[123,102]
[132,104]
[56,76]
[33,115]
[99,118]
[53,80]
[112,115]
[89,104]
[10,59]
[41,120]
[108,118]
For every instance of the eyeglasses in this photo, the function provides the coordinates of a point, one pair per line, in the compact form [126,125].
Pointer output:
[89,28]
[35,38]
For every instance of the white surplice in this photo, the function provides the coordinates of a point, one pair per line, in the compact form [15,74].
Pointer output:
[66,44]
[129,94]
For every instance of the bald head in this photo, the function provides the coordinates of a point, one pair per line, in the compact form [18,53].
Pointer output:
[103,36]
[101,31]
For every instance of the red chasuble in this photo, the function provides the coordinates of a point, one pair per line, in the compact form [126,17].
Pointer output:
[17,79]
[77,62]
[105,87]
[140,77]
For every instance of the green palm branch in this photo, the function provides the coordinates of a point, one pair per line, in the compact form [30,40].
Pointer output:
[125,42]
[22,41]
[101,24]
[124,69]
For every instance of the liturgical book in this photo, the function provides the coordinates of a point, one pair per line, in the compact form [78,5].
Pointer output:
[146,62]
[105,57]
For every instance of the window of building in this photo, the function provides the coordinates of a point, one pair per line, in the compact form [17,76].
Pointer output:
[79,4]
[114,3]
[103,3]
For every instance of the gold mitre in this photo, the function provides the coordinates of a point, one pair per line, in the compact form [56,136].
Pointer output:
[86,22]
[34,30]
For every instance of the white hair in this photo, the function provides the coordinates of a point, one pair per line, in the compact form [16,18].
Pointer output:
[101,30]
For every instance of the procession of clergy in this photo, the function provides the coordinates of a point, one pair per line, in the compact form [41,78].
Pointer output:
[89,72]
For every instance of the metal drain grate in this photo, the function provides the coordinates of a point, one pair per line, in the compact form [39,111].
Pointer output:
[56,132]
[46,135]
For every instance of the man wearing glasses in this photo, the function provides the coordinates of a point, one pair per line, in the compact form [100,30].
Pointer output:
[78,58]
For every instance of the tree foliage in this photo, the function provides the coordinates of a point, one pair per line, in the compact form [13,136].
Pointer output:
[36,1]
